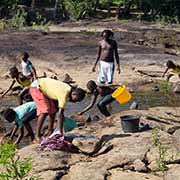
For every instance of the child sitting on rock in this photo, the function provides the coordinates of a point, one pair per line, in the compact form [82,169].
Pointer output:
[172,70]
[21,116]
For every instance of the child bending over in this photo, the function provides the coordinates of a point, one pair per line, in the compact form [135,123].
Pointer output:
[105,92]
[21,116]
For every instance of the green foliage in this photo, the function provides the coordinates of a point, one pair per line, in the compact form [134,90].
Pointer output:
[3,24]
[156,10]
[153,10]
[165,87]
[19,19]
[12,168]
[40,23]
[40,20]
[8,4]
[78,8]
[105,3]
[167,19]
[162,150]
[161,10]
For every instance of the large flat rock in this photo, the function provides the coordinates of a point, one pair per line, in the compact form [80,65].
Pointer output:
[129,151]
[116,174]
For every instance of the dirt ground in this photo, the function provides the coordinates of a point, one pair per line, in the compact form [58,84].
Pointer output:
[72,48]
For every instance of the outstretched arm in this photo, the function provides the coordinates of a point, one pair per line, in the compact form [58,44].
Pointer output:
[12,84]
[8,134]
[34,73]
[93,101]
[20,136]
[117,57]
[14,130]
[99,55]
[165,72]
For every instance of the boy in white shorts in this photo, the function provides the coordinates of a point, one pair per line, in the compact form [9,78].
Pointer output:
[107,51]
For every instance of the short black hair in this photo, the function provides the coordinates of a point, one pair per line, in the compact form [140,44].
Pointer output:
[108,32]
[24,54]
[170,64]
[80,93]
[13,70]
[91,85]
[9,114]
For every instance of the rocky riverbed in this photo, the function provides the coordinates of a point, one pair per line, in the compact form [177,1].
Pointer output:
[109,154]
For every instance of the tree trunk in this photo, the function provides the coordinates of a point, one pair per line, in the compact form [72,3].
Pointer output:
[33,2]
[126,11]
[109,8]
[118,11]
[96,5]
[55,9]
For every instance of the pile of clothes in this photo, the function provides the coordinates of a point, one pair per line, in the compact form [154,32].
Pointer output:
[57,142]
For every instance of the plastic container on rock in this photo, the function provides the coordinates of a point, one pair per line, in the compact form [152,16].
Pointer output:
[130,123]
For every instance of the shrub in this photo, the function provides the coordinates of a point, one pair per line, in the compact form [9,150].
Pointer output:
[19,19]
[162,150]
[77,9]
[12,167]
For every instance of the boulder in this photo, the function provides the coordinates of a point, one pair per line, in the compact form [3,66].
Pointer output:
[177,89]
[85,171]
[134,105]
[173,172]
[87,145]
[43,161]
[139,166]
[176,135]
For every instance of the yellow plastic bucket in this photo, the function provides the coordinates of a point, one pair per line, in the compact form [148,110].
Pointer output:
[122,95]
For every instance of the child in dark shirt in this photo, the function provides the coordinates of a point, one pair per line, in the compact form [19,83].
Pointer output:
[105,92]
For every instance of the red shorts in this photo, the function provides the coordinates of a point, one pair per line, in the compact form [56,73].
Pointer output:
[43,103]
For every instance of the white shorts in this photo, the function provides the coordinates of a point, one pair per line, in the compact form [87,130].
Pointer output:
[106,72]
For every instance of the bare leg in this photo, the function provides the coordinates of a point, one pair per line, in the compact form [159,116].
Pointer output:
[29,129]
[40,122]
[21,95]
[50,124]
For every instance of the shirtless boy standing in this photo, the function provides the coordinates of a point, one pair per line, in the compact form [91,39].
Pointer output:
[107,50]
